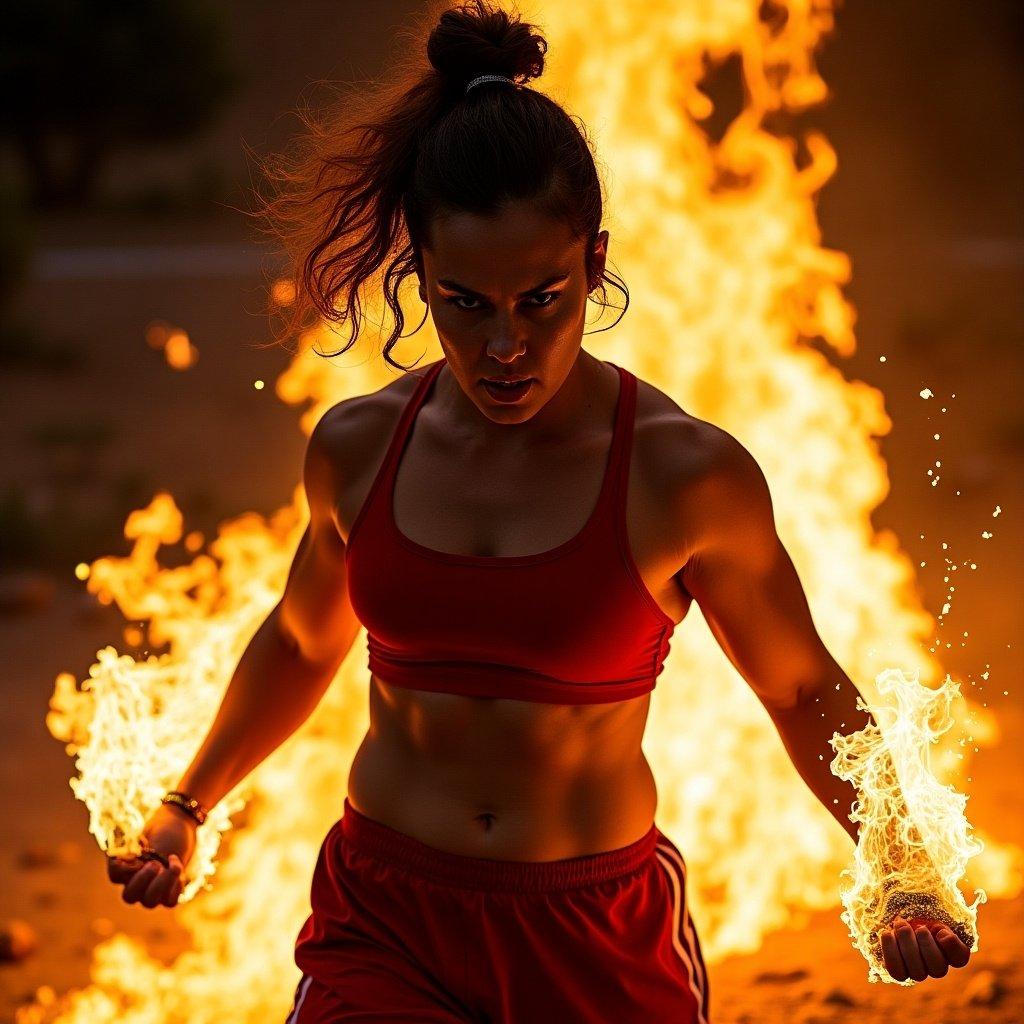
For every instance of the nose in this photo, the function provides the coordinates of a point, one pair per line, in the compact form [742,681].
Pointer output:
[507,358]
[507,344]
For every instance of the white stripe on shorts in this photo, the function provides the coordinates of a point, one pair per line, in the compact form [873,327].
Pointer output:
[683,934]
[300,997]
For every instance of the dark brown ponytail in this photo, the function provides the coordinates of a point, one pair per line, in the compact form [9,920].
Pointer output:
[366,180]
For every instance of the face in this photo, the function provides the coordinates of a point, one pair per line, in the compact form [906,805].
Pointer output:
[508,297]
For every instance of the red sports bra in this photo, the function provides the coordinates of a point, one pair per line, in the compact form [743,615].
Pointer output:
[571,625]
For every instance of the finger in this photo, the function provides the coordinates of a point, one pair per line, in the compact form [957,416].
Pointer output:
[907,941]
[934,958]
[891,956]
[158,888]
[175,886]
[957,953]
[140,882]
[175,894]
[120,869]
[151,854]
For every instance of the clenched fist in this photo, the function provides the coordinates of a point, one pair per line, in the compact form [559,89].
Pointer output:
[170,832]
[921,948]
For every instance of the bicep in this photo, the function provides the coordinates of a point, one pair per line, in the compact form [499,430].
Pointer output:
[747,587]
[315,611]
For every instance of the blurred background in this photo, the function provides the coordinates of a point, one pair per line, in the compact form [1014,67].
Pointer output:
[132,298]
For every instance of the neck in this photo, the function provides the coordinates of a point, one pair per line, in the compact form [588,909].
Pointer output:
[577,403]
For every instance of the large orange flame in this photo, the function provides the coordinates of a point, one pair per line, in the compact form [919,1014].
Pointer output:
[720,245]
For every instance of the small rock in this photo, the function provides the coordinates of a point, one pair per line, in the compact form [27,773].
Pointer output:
[984,989]
[33,857]
[780,977]
[17,939]
[838,997]
[25,592]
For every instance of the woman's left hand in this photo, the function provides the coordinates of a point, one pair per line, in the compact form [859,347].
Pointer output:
[921,948]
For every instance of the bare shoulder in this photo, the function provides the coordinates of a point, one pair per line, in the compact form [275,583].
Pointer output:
[349,428]
[678,448]
[702,475]
[349,438]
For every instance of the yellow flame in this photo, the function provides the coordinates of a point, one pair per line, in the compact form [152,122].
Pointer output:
[179,351]
[719,243]
[914,840]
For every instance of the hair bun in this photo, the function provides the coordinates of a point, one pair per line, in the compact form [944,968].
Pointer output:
[478,39]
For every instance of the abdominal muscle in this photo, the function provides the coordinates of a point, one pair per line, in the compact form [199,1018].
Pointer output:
[504,779]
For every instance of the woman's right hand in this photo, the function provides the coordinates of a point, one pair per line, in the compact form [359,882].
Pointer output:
[169,831]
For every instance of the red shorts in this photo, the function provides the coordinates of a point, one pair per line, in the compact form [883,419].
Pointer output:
[404,932]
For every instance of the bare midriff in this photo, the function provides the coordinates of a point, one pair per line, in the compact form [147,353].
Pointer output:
[504,779]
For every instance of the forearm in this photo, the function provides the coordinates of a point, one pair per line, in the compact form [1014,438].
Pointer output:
[272,692]
[806,728]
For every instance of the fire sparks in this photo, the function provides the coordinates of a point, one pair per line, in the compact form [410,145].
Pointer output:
[178,350]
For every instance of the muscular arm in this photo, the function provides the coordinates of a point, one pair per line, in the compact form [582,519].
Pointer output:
[751,597]
[315,612]
[293,656]
[745,583]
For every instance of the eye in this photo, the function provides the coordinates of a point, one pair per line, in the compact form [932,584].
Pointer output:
[456,299]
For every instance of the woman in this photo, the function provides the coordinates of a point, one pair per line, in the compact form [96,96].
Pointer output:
[520,555]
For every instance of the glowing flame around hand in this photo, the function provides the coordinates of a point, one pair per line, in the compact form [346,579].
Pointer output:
[914,838]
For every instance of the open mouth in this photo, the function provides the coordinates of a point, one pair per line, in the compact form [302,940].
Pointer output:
[508,392]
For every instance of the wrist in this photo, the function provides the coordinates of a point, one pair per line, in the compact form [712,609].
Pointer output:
[175,811]
[186,803]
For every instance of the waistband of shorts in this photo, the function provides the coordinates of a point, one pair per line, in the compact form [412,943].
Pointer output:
[385,843]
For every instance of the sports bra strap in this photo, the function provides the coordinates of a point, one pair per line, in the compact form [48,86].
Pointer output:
[405,421]
[622,444]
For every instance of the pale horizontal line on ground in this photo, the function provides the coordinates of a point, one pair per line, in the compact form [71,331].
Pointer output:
[97,262]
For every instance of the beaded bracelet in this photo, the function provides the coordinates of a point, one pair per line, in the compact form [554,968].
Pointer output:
[192,807]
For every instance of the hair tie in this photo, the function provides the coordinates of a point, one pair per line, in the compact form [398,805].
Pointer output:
[489,78]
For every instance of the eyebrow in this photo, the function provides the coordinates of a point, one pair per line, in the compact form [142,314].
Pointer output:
[455,286]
